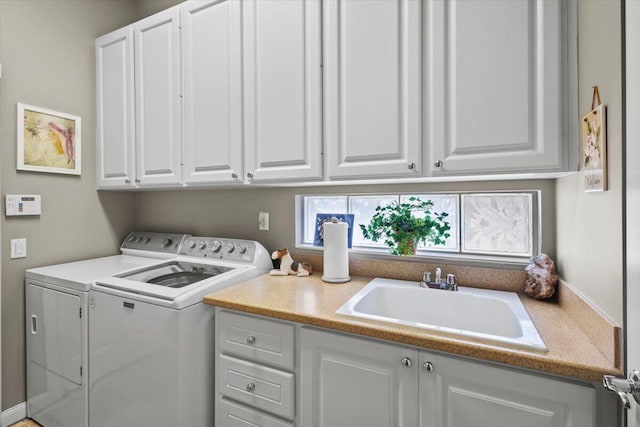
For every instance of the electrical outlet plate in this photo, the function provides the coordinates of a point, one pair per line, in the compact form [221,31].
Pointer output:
[263,221]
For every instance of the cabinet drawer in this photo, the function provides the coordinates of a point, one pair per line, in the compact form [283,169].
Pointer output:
[231,414]
[259,340]
[268,389]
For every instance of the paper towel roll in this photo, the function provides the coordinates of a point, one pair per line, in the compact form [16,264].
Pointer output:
[336,254]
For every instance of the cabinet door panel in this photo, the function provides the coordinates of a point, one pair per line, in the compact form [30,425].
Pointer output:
[495,85]
[158,105]
[212,41]
[372,87]
[54,331]
[459,393]
[115,135]
[351,381]
[232,414]
[282,86]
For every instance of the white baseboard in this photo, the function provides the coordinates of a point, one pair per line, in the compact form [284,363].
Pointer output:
[15,414]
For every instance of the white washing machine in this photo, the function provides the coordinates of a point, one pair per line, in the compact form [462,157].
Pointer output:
[57,326]
[152,337]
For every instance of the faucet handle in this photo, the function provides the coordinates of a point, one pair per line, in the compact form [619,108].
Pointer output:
[426,278]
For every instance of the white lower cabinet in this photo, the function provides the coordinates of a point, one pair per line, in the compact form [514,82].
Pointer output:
[255,378]
[459,393]
[336,380]
[348,381]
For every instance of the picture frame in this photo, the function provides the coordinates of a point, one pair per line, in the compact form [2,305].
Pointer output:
[593,145]
[321,218]
[48,141]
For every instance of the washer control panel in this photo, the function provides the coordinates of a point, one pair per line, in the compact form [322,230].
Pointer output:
[219,248]
[157,242]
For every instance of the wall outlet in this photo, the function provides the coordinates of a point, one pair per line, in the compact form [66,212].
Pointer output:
[263,221]
[18,248]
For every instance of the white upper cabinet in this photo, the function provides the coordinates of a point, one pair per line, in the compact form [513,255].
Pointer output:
[115,135]
[495,87]
[282,89]
[158,103]
[212,66]
[372,92]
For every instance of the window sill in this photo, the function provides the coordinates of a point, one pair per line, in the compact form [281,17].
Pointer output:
[470,260]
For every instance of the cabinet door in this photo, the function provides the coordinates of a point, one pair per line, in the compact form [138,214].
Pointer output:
[459,393]
[372,88]
[115,130]
[158,104]
[54,331]
[212,65]
[282,89]
[494,72]
[347,381]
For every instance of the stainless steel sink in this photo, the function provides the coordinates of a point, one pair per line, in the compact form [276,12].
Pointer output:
[472,313]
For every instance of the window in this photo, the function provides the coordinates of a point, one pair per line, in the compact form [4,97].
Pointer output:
[492,225]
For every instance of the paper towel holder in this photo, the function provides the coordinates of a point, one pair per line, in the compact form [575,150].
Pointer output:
[337,252]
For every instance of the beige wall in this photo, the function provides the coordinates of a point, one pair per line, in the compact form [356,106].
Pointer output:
[234,213]
[145,8]
[47,56]
[589,242]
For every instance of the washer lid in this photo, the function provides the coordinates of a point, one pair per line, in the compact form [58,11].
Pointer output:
[176,274]
[173,296]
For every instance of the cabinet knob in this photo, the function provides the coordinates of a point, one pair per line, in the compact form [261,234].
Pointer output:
[412,166]
[251,387]
[251,339]
[428,366]
[406,362]
[439,164]
[250,175]
[234,175]
[137,181]
[127,181]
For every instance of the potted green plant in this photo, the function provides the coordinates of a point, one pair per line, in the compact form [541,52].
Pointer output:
[403,230]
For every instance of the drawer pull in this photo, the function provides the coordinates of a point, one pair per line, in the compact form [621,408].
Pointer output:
[251,339]
[251,387]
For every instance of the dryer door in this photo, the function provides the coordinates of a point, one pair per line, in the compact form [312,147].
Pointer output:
[54,331]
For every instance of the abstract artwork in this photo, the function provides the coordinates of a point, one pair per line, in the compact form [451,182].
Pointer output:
[48,141]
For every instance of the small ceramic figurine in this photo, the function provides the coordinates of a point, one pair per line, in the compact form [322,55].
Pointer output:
[288,265]
[542,278]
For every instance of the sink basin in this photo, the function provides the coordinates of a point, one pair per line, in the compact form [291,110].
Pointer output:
[484,314]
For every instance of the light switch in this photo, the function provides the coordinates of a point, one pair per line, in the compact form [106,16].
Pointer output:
[18,248]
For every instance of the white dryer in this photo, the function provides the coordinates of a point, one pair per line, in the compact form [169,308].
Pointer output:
[57,326]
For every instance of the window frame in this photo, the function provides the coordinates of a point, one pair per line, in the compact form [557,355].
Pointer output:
[443,256]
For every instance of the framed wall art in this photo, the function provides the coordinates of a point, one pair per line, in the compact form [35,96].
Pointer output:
[48,141]
[321,218]
[593,159]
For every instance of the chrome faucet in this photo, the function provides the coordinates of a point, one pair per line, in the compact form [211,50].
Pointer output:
[448,285]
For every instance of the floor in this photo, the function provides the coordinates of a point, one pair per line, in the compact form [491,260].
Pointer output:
[26,423]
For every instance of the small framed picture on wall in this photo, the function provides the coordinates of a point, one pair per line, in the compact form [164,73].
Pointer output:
[593,159]
[48,141]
